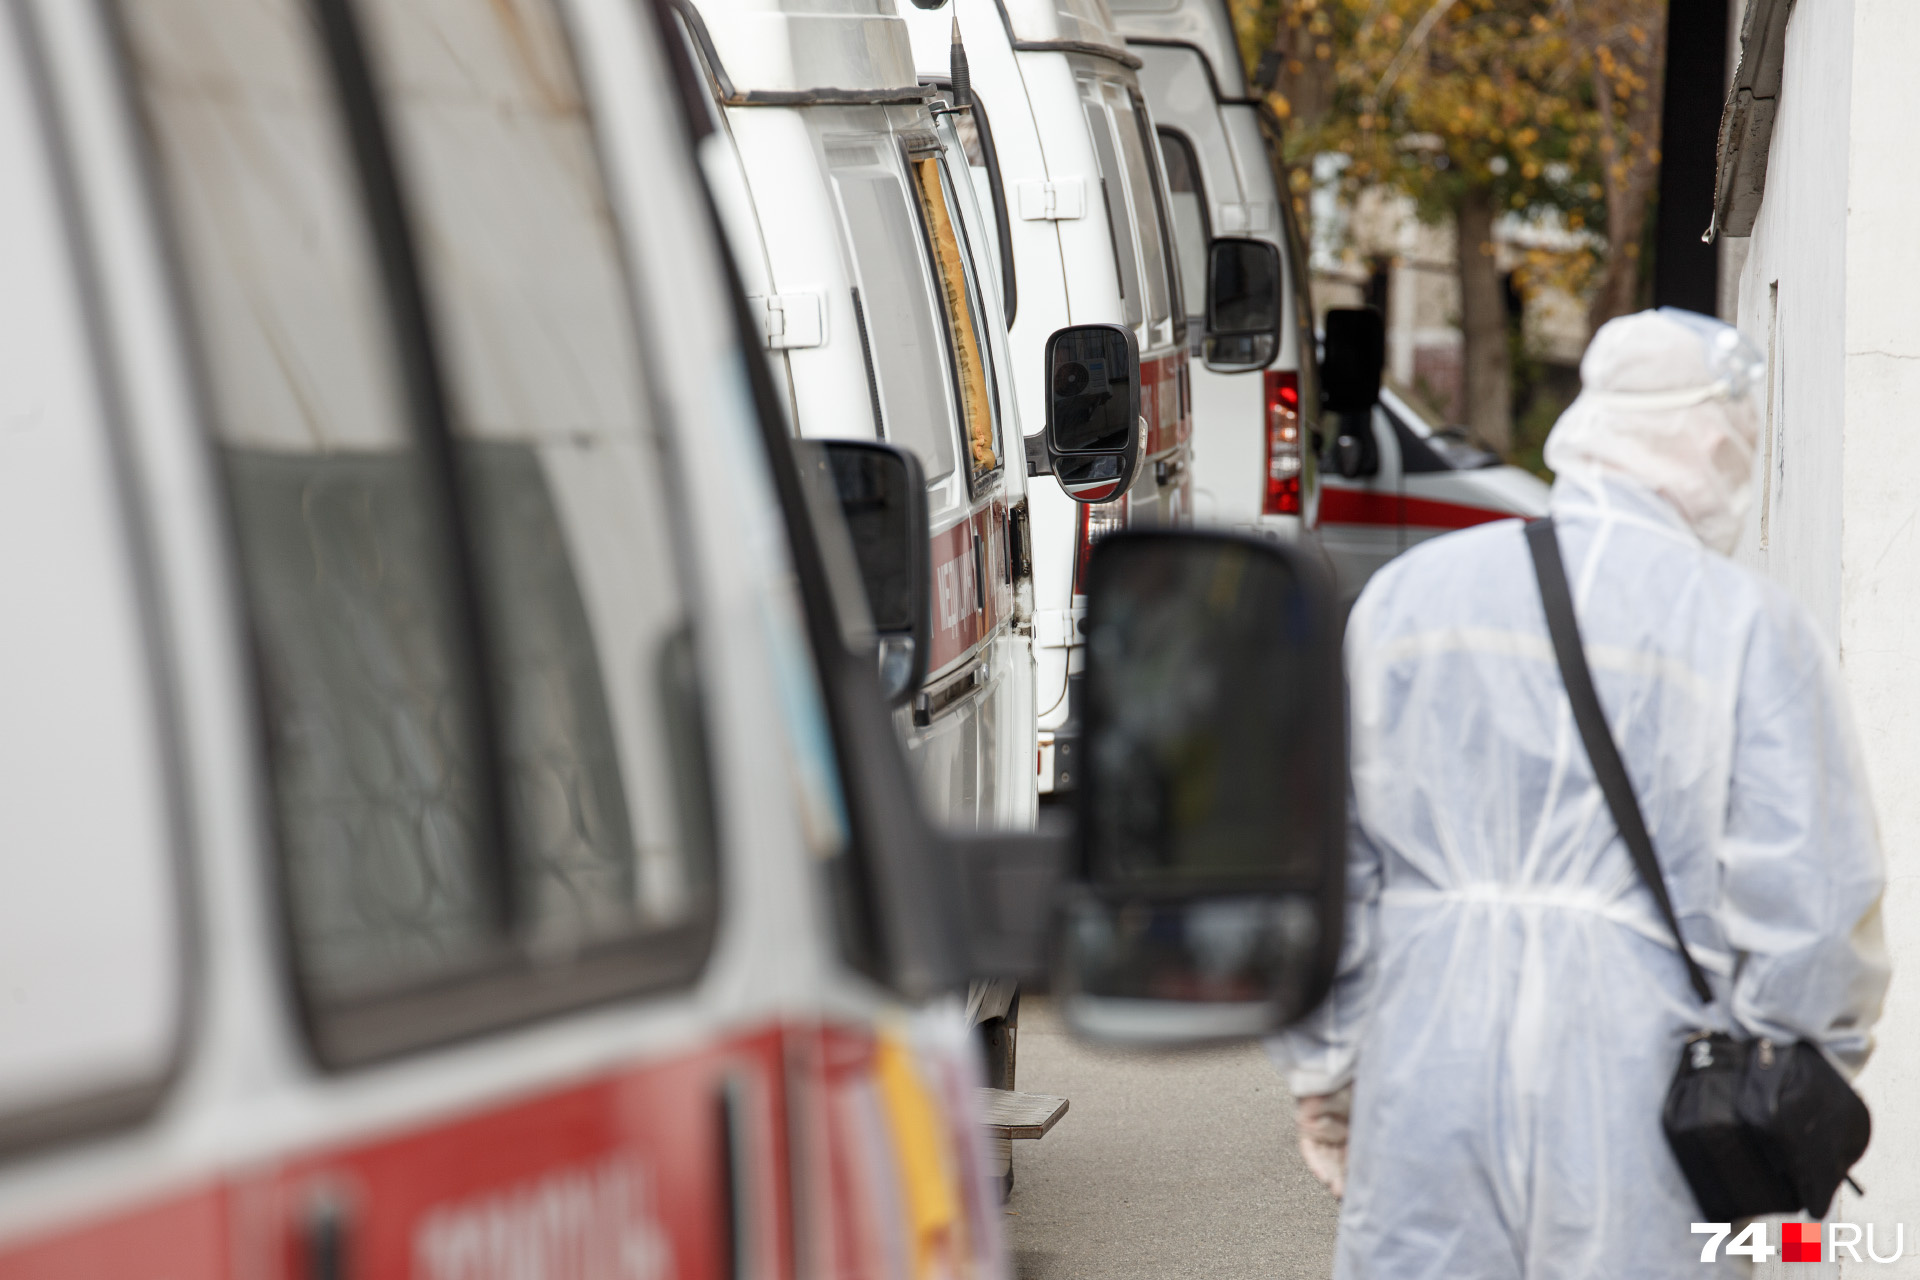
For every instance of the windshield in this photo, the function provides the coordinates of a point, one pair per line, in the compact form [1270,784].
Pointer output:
[1451,444]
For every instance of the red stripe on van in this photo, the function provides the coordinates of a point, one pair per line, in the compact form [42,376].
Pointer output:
[180,1238]
[965,612]
[623,1175]
[1160,403]
[1366,506]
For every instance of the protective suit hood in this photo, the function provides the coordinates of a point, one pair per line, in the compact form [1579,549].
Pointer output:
[1669,400]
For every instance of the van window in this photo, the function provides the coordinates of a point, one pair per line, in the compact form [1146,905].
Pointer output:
[564,466]
[1150,215]
[1113,195]
[961,309]
[92,958]
[471,634]
[1130,187]
[1192,228]
[896,299]
[975,130]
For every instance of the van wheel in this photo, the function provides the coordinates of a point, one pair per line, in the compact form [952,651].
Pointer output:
[1000,1038]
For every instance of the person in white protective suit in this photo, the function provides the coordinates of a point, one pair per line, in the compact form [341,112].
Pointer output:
[1510,1007]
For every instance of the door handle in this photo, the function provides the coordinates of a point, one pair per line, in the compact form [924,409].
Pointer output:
[326,1235]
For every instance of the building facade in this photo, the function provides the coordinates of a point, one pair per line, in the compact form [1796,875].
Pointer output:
[1830,288]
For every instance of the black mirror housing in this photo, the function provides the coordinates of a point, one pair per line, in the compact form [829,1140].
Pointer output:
[1354,453]
[1208,888]
[1353,356]
[1094,429]
[1243,305]
[883,498]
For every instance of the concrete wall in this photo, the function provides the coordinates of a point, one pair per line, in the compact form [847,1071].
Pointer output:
[1839,240]
[1793,305]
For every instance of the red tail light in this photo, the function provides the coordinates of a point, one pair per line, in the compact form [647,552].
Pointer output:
[1097,520]
[1284,459]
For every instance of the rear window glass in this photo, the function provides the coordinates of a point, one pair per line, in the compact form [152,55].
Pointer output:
[961,310]
[1113,196]
[1191,226]
[895,302]
[1130,190]
[478,677]
[1149,210]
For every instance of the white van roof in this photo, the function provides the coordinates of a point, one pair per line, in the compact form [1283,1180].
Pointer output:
[1065,23]
[797,52]
[1204,24]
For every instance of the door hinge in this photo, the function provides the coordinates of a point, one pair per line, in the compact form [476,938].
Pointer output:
[788,319]
[1052,201]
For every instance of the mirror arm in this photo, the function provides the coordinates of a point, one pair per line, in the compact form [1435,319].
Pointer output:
[1038,461]
[1009,883]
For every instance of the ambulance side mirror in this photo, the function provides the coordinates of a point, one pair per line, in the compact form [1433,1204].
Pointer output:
[1206,891]
[1199,893]
[1094,428]
[1352,356]
[883,498]
[1243,305]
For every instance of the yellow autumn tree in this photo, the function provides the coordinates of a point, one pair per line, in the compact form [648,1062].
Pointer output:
[1478,108]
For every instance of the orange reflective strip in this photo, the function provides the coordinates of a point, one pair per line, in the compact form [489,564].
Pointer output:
[962,324]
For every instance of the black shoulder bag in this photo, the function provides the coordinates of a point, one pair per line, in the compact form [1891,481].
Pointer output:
[1757,1128]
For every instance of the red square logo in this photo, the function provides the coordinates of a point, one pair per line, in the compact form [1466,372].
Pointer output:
[1799,1242]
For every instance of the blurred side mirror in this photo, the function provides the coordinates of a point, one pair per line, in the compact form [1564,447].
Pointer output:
[1209,890]
[1243,305]
[883,497]
[1353,353]
[1094,427]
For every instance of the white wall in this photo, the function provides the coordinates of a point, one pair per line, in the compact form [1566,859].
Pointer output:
[1839,235]
[1879,579]
[1799,246]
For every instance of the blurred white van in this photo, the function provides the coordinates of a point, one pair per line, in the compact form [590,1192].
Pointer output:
[1253,462]
[452,829]
[1396,477]
[448,833]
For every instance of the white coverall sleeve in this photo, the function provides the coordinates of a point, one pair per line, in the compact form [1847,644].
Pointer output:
[1801,872]
[1316,1054]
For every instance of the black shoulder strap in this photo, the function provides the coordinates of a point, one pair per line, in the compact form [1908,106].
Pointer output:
[1608,770]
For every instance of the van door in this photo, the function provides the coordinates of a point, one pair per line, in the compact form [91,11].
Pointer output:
[94,933]
[479,690]
[1133,194]
[1361,516]
[935,391]
[1448,482]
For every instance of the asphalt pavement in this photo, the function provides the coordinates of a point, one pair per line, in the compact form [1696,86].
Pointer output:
[1165,1166]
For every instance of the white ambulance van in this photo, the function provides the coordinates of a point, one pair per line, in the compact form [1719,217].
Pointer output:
[1253,463]
[1078,191]
[452,827]
[1396,477]
[869,267]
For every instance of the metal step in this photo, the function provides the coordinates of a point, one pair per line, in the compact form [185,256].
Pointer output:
[1020,1115]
